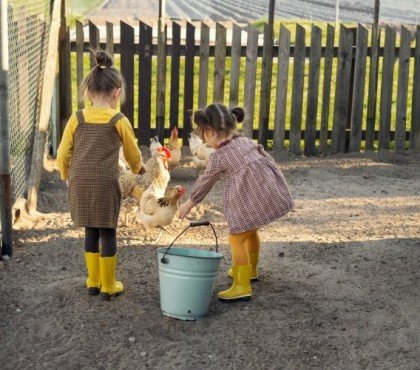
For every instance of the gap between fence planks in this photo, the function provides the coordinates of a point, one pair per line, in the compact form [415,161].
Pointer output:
[235,66]
[45,110]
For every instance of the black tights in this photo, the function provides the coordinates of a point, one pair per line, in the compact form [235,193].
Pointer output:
[108,239]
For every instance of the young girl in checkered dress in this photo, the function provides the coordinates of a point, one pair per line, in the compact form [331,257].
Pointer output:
[88,160]
[255,191]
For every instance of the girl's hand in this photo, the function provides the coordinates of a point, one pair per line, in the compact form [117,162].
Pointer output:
[67,183]
[185,208]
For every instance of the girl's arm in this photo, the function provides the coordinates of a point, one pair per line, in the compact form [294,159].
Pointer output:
[65,150]
[202,186]
[131,151]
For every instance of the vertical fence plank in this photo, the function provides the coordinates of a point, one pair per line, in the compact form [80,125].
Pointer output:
[373,88]
[235,66]
[127,68]
[326,89]
[342,90]
[386,88]
[189,81]
[297,92]
[266,75]
[80,39]
[145,84]
[110,38]
[204,65]
[250,80]
[415,123]
[161,81]
[93,41]
[358,89]
[404,66]
[219,64]
[313,91]
[281,94]
[176,52]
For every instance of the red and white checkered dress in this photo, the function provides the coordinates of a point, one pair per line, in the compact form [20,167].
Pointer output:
[255,191]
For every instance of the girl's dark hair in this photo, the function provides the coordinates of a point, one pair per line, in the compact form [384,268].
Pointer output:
[218,117]
[103,78]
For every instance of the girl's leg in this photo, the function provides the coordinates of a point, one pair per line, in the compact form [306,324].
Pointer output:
[91,239]
[238,248]
[108,261]
[241,270]
[93,282]
[253,246]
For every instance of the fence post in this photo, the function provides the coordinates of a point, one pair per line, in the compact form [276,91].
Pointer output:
[415,121]
[5,178]
[65,98]
[45,110]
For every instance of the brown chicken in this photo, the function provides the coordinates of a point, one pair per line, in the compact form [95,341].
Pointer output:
[159,212]
[175,148]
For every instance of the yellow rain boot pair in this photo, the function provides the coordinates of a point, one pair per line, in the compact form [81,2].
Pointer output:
[110,287]
[253,260]
[241,286]
[93,282]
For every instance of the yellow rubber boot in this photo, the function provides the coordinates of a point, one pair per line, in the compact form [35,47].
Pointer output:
[93,281]
[253,260]
[241,286]
[110,287]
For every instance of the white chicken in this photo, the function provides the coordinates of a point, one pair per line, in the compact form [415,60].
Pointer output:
[200,152]
[155,145]
[158,212]
[133,186]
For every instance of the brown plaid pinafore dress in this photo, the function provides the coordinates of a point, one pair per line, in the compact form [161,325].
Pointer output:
[94,191]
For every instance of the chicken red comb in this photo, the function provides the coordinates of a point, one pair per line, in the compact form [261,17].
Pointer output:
[166,151]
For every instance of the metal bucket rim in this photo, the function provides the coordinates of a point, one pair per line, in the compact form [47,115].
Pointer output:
[215,255]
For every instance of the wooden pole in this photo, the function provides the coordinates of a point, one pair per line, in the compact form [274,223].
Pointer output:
[5,177]
[45,110]
[161,76]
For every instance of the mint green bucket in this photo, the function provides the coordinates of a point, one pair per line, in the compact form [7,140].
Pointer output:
[186,278]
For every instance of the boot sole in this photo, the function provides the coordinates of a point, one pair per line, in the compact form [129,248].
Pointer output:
[246,298]
[110,297]
[93,291]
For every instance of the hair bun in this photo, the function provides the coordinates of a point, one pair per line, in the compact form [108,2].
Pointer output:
[201,117]
[103,59]
[238,113]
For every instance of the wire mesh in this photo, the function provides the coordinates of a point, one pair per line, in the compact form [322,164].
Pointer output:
[28,28]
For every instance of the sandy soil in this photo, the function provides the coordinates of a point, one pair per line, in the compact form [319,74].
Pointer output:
[339,285]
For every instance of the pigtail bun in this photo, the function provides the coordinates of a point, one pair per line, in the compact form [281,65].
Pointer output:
[103,59]
[238,113]
[201,118]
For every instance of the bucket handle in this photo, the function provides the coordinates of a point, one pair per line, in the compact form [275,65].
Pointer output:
[192,224]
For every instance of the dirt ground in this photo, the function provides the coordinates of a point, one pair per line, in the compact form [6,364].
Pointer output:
[339,286]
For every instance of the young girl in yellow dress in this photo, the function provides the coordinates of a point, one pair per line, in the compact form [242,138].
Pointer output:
[88,162]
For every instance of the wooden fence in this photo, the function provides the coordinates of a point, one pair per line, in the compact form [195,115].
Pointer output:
[350,112]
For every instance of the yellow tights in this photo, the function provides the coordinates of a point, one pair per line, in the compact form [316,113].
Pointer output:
[242,244]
